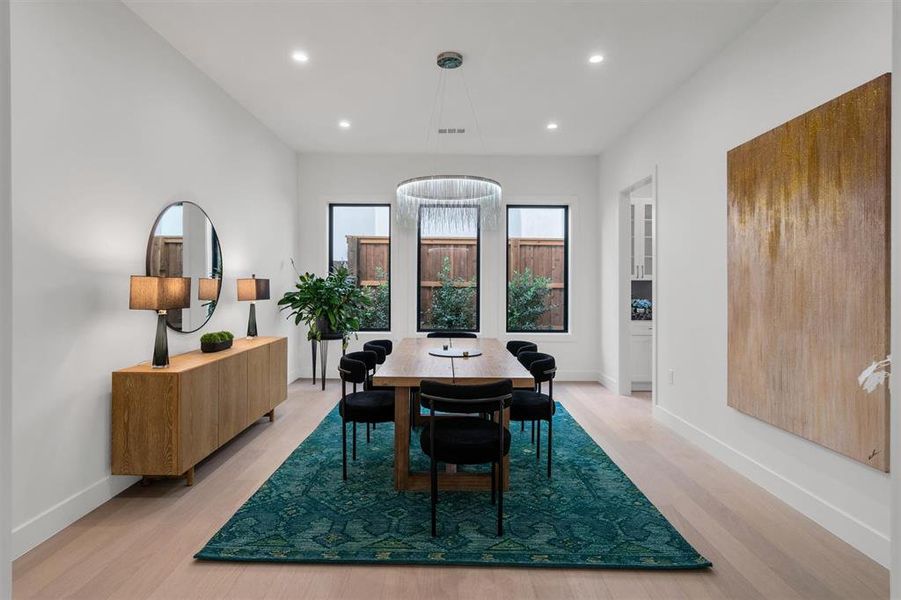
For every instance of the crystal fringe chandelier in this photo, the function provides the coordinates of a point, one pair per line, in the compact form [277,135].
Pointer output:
[438,193]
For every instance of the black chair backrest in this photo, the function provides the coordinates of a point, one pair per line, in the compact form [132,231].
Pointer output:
[355,366]
[542,366]
[388,345]
[514,347]
[378,349]
[451,334]
[465,399]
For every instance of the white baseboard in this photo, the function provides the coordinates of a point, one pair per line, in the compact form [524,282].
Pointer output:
[56,518]
[859,535]
[42,527]
[607,381]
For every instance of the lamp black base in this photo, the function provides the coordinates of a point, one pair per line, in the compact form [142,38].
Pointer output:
[161,345]
[252,321]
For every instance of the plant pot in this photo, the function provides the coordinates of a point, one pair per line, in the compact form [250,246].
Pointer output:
[325,330]
[215,346]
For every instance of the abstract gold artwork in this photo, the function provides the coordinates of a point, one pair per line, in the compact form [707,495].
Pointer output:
[808,263]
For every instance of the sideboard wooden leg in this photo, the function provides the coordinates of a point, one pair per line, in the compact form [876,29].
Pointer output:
[271,414]
[189,476]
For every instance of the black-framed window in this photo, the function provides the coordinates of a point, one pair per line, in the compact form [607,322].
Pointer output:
[448,268]
[360,239]
[537,268]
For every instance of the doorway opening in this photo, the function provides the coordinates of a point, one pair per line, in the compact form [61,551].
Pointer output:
[638,293]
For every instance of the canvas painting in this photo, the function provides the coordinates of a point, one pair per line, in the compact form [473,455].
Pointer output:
[808,273]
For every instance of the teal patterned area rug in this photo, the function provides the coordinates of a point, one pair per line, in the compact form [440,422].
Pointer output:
[590,515]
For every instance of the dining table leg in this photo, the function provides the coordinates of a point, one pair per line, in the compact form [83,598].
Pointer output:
[401,437]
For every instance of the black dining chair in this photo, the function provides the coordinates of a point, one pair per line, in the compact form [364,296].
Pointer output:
[466,440]
[514,347]
[451,334]
[388,345]
[381,348]
[380,356]
[363,406]
[536,406]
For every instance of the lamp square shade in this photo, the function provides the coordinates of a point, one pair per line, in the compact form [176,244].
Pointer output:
[208,288]
[253,289]
[159,293]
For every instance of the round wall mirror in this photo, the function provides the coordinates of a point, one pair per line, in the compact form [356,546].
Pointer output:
[183,243]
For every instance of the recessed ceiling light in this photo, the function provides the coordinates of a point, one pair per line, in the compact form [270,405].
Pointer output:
[344,124]
[596,58]
[552,126]
[300,56]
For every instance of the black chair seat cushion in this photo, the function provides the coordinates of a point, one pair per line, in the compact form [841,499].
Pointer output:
[371,406]
[464,440]
[531,406]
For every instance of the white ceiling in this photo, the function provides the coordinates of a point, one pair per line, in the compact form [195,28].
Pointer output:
[373,63]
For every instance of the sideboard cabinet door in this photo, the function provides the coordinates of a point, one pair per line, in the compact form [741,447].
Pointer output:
[278,372]
[257,383]
[145,419]
[199,410]
[232,396]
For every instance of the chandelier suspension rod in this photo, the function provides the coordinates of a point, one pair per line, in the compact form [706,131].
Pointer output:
[472,108]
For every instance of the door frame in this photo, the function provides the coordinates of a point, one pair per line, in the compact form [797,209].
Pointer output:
[624,377]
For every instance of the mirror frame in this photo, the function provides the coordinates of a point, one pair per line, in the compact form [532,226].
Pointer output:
[156,223]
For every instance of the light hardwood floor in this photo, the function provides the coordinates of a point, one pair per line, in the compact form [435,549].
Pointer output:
[139,545]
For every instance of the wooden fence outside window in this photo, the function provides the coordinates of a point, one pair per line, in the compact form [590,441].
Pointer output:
[544,257]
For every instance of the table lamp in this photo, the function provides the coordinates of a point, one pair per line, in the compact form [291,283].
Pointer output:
[160,294]
[208,288]
[253,289]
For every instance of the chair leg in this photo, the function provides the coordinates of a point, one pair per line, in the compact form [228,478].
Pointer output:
[522,425]
[493,484]
[344,450]
[355,440]
[434,481]
[550,444]
[538,441]
[533,433]
[367,432]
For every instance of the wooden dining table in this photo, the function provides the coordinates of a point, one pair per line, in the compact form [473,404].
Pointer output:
[409,364]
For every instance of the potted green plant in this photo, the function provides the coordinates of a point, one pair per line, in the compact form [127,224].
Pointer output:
[216,341]
[329,306]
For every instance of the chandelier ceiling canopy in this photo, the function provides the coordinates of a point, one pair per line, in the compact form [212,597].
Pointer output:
[437,194]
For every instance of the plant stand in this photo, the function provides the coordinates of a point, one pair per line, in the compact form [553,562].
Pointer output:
[323,354]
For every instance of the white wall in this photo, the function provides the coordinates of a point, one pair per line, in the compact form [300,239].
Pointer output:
[796,57]
[538,180]
[5,315]
[110,124]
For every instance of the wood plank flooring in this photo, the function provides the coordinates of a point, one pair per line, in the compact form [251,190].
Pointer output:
[139,545]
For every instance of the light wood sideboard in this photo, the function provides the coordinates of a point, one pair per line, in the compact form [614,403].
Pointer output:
[165,421]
